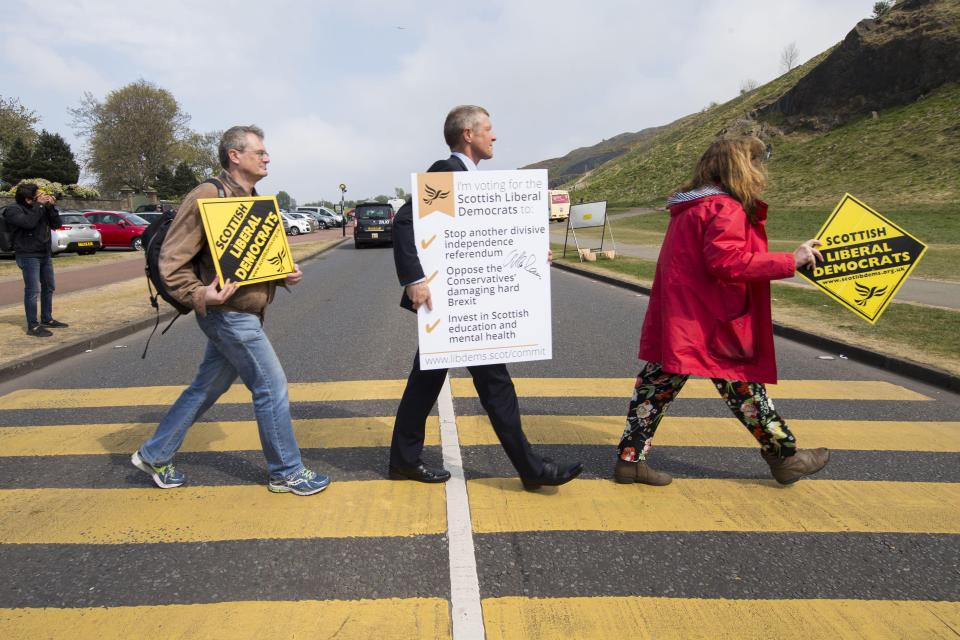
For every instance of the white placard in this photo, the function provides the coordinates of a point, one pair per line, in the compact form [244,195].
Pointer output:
[588,214]
[483,238]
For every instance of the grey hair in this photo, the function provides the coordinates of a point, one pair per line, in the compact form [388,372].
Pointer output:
[235,138]
[466,116]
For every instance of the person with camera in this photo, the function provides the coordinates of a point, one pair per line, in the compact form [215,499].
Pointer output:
[31,219]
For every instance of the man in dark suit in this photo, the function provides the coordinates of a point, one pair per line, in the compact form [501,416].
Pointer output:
[470,136]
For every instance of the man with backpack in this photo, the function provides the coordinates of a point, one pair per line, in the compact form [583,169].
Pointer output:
[231,317]
[29,222]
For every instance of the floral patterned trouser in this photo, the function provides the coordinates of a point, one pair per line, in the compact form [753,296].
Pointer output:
[655,390]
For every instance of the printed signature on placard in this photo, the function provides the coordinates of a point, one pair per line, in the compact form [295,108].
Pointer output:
[522,260]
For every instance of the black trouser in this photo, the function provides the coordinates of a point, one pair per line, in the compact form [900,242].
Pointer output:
[499,400]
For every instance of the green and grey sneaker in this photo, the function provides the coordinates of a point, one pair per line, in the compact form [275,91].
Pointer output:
[302,483]
[164,475]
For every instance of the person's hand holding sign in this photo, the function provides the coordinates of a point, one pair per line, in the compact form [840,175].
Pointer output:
[296,276]
[807,255]
[214,295]
[419,294]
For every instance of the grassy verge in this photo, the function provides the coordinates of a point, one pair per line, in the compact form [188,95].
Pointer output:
[938,227]
[92,312]
[913,332]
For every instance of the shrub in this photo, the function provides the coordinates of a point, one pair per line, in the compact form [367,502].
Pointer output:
[56,189]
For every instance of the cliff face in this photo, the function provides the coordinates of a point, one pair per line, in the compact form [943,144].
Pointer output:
[881,63]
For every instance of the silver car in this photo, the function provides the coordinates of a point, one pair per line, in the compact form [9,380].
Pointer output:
[75,235]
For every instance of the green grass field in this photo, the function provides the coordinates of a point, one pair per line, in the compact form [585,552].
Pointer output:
[787,227]
[922,334]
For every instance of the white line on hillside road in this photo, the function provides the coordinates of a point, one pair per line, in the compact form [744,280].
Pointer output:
[466,612]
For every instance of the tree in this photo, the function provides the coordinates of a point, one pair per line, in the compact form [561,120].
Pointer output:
[184,180]
[53,160]
[16,164]
[16,122]
[166,189]
[881,9]
[788,57]
[131,134]
[381,199]
[199,151]
[400,193]
[285,201]
[748,85]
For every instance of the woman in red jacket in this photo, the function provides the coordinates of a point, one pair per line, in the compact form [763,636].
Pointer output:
[709,313]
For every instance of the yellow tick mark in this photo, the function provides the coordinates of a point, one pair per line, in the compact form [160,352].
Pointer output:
[431,327]
[432,276]
[427,243]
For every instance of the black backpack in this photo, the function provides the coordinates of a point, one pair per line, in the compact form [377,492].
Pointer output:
[153,237]
[6,232]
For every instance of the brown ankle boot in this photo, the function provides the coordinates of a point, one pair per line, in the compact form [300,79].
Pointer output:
[804,462]
[630,472]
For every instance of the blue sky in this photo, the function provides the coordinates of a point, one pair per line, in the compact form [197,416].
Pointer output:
[356,91]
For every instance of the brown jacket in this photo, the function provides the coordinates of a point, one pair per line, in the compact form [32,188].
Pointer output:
[186,246]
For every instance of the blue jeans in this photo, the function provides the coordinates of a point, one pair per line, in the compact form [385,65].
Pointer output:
[237,346]
[37,280]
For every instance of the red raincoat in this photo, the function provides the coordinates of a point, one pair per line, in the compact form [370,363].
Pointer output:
[709,312]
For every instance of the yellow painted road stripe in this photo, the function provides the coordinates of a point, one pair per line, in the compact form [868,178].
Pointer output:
[462,387]
[94,439]
[698,388]
[330,433]
[161,396]
[678,431]
[193,514]
[686,618]
[387,618]
[501,505]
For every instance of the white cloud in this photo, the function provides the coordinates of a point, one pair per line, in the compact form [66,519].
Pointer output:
[346,95]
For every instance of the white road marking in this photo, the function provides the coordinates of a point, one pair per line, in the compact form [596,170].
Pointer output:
[466,612]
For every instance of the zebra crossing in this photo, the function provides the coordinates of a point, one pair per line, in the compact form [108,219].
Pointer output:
[868,549]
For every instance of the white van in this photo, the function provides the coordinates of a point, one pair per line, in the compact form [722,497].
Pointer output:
[559,205]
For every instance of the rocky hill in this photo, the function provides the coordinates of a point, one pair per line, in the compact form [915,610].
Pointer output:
[585,159]
[877,115]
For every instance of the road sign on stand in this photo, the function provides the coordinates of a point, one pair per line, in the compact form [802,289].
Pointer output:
[589,215]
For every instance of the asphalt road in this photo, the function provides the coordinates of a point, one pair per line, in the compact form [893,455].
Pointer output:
[870,548]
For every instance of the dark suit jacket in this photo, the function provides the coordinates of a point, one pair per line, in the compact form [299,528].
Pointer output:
[404,246]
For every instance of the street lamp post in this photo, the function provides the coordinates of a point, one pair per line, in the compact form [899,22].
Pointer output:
[343,190]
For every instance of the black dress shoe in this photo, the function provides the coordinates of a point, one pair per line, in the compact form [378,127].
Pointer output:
[553,475]
[420,473]
[54,324]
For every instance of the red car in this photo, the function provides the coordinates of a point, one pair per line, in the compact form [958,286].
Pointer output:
[119,228]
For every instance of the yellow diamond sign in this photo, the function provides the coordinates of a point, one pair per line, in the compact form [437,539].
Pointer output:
[246,238]
[866,258]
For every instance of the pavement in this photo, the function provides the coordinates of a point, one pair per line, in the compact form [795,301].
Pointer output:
[935,293]
[90,549]
[11,289]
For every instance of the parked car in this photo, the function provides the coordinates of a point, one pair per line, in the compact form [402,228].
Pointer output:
[119,228]
[150,216]
[314,223]
[329,219]
[76,234]
[374,224]
[324,212]
[162,207]
[295,223]
[322,221]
